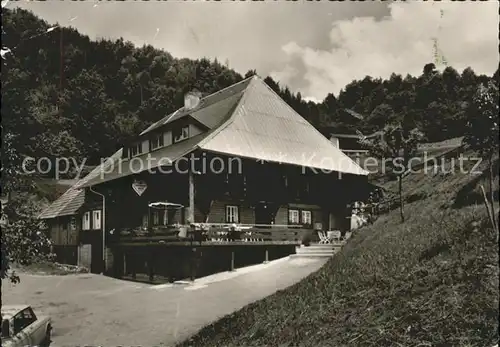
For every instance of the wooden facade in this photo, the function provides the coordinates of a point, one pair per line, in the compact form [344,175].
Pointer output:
[220,180]
[264,194]
[69,235]
[261,193]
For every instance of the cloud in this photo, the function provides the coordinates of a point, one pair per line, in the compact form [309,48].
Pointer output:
[402,42]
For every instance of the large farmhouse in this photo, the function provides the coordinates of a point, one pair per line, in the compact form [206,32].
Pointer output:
[239,156]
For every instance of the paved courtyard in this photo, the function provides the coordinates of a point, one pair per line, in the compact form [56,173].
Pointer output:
[95,310]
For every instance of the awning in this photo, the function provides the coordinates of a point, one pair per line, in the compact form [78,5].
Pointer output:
[165,204]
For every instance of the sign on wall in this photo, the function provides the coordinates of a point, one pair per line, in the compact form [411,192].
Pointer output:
[139,187]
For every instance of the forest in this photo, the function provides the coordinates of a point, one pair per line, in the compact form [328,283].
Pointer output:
[64,94]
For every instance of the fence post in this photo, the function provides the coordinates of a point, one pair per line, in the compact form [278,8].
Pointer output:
[124,264]
[192,261]
[150,266]
[232,261]
[134,264]
[266,260]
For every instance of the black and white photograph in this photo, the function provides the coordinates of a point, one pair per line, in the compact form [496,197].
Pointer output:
[281,173]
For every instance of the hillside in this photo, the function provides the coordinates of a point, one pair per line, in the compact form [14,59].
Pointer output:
[432,281]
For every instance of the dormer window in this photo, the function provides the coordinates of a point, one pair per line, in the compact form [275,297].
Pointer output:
[156,142]
[135,149]
[181,133]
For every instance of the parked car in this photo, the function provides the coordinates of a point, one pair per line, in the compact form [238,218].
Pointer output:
[22,327]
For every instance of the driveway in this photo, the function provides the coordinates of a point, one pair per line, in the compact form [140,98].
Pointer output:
[96,310]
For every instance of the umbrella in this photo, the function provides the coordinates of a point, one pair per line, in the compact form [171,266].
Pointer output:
[164,204]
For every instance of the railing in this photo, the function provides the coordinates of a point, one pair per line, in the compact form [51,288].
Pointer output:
[217,232]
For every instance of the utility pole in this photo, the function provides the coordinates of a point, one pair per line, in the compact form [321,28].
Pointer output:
[61,71]
[61,61]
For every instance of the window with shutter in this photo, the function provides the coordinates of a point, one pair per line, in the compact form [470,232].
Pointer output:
[156,141]
[293,217]
[306,217]
[135,149]
[181,133]
[232,214]
[96,219]
[86,221]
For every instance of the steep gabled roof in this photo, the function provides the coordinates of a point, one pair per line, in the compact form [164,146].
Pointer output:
[247,120]
[266,128]
[66,205]
[211,108]
[161,157]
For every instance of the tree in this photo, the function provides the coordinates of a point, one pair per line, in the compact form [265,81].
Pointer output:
[482,127]
[398,145]
[273,84]
[24,236]
[496,77]
[250,73]
[429,69]
[382,114]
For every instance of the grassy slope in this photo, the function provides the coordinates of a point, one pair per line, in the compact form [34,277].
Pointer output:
[50,268]
[431,281]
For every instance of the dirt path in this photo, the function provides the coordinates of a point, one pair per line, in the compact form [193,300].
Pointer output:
[96,310]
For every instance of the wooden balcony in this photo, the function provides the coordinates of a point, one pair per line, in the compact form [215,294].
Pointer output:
[214,234]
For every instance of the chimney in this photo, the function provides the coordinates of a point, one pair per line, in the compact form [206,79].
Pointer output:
[335,141]
[192,99]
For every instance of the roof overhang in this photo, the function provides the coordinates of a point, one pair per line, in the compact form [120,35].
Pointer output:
[325,170]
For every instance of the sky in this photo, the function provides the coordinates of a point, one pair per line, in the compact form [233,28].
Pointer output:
[314,48]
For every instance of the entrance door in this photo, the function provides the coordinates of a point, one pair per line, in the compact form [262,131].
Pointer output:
[85,256]
[263,215]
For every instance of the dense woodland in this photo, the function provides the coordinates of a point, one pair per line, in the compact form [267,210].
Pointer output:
[105,92]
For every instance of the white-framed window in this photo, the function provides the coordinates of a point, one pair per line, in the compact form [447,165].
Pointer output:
[72,223]
[181,133]
[86,221]
[232,214]
[156,141]
[96,219]
[293,217]
[306,217]
[135,149]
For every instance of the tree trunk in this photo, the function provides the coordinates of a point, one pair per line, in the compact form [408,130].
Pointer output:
[490,177]
[400,189]
[491,189]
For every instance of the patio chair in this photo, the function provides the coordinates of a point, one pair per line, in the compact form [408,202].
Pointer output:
[182,232]
[322,238]
[334,235]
